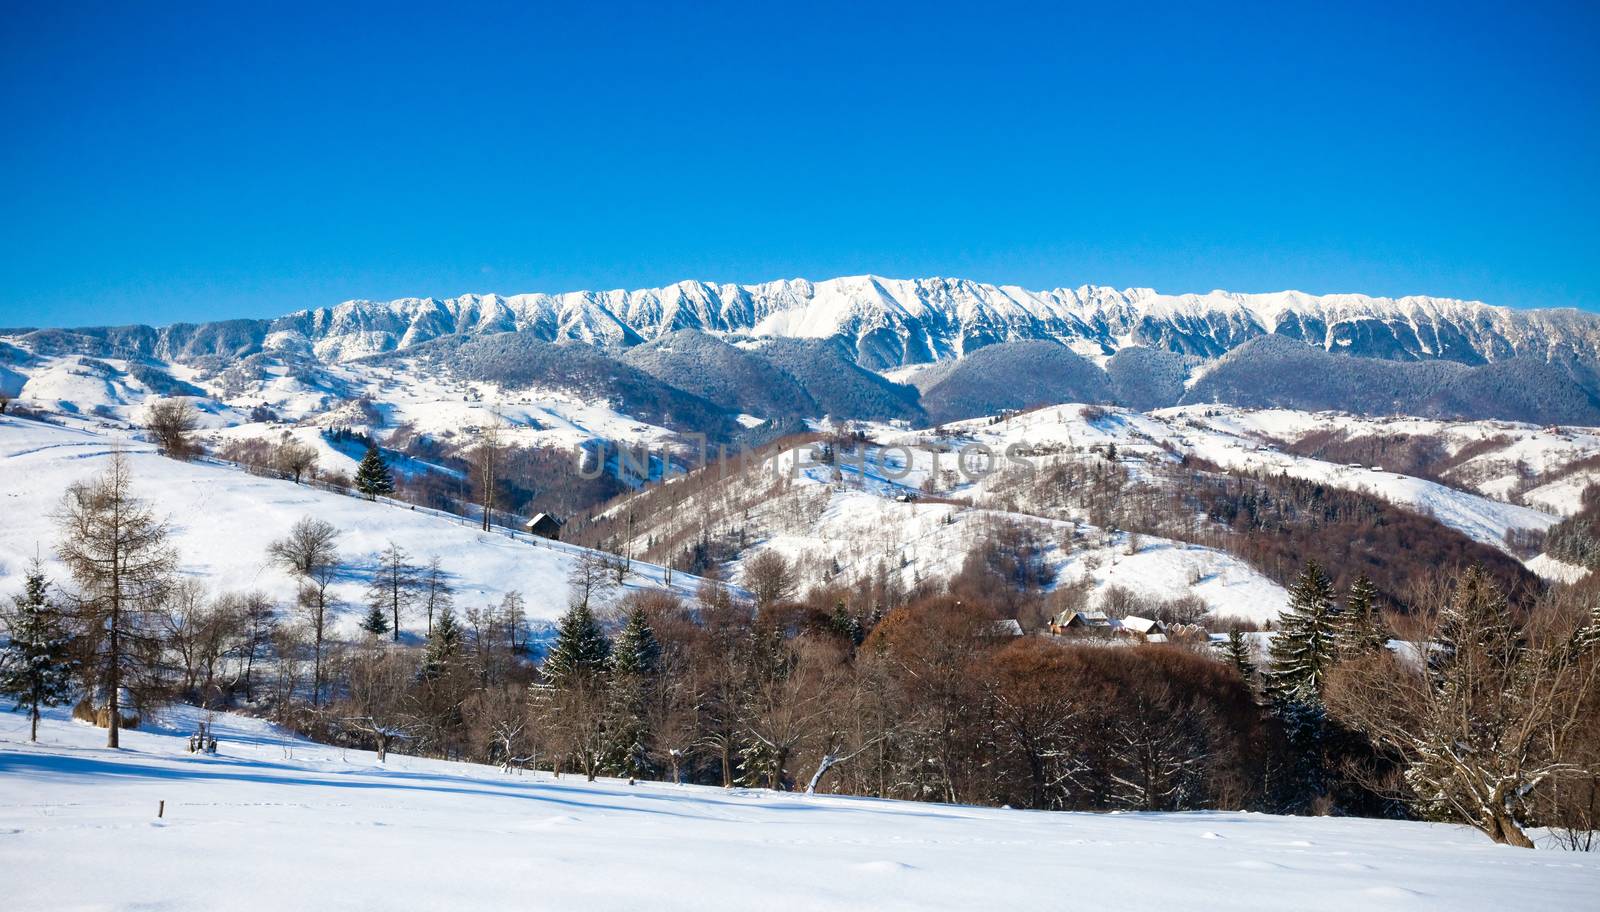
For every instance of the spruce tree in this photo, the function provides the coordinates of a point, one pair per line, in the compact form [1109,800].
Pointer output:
[1303,649]
[1478,617]
[443,646]
[637,652]
[580,649]
[36,666]
[376,622]
[1302,652]
[373,478]
[635,662]
[1360,626]
[1238,653]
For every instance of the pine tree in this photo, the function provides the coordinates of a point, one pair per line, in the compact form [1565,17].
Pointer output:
[580,649]
[1238,653]
[1360,626]
[373,478]
[1303,649]
[36,665]
[376,622]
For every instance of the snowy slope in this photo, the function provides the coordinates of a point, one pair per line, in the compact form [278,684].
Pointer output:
[222,520]
[274,823]
[1221,439]
[853,525]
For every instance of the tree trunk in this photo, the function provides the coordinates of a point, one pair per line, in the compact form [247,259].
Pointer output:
[114,721]
[1504,830]
[827,763]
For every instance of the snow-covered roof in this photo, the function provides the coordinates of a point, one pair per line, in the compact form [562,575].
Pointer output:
[1007,627]
[1141,624]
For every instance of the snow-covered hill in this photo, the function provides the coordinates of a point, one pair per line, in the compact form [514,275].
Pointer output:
[306,826]
[222,520]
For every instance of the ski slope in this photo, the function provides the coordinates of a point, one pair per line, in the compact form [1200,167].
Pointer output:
[222,519]
[274,823]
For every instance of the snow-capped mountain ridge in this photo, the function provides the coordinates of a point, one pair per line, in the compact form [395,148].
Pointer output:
[896,322]
[891,323]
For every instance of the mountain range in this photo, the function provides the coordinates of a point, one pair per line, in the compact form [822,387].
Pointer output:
[964,348]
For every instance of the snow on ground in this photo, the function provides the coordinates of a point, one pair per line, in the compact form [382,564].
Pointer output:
[273,823]
[1232,438]
[1511,453]
[854,524]
[1555,569]
[222,520]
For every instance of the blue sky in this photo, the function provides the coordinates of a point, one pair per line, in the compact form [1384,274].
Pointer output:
[164,164]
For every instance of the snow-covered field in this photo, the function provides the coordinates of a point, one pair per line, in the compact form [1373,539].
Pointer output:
[222,520]
[276,823]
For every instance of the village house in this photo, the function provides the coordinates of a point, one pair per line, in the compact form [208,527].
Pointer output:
[545,526]
[1099,624]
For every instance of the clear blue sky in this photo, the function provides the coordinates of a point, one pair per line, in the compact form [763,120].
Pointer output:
[161,164]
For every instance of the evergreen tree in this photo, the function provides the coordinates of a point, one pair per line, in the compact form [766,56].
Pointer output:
[1238,653]
[443,646]
[376,622]
[581,647]
[637,651]
[635,662]
[1303,649]
[373,478]
[1477,617]
[1360,626]
[36,666]
[846,625]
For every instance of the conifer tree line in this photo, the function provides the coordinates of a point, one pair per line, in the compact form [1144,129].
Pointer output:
[1469,709]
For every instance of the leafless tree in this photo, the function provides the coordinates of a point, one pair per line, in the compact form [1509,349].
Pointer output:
[434,591]
[256,625]
[294,458]
[769,578]
[591,580]
[199,633]
[378,702]
[309,554]
[394,586]
[486,466]
[1482,714]
[116,549]
[170,422]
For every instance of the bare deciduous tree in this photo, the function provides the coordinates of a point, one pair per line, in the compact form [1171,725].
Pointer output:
[170,422]
[1484,713]
[309,554]
[293,458]
[116,549]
